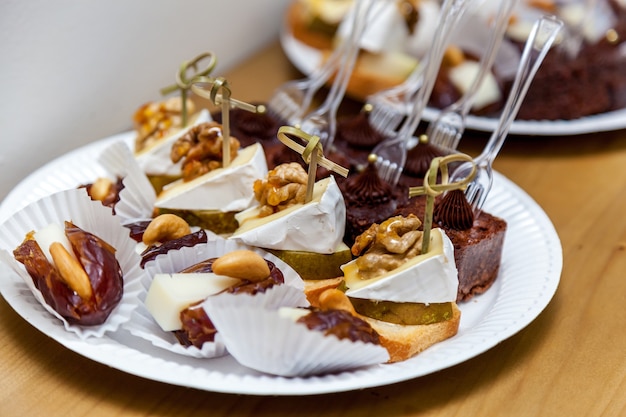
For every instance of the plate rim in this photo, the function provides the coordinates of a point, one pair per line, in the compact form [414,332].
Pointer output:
[305,58]
[135,356]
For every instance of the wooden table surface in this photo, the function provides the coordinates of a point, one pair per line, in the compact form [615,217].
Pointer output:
[570,361]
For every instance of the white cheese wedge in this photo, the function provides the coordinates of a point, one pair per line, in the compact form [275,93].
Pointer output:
[223,189]
[385,29]
[525,19]
[427,278]
[50,234]
[331,12]
[390,65]
[462,76]
[317,226]
[596,21]
[292,313]
[169,294]
[155,159]
[419,42]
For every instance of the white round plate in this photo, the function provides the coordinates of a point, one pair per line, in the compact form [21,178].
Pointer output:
[521,292]
[307,59]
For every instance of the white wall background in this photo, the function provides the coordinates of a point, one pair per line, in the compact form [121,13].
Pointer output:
[73,71]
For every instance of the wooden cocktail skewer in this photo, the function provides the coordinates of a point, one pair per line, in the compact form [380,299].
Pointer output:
[220,95]
[432,189]
[312,154]
[184,81]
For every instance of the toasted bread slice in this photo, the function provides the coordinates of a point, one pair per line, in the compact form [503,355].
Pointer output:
[403,342]
[313,288]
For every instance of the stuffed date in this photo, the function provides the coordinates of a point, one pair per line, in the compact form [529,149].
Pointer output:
[82,282]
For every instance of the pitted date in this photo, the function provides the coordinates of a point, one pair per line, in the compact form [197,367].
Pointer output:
[97,258]
[197,327]
[136,229]
[111,198]
[192,239]
[276,278]
[341,324]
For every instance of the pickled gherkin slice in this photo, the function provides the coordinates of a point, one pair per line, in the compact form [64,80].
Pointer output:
[313,266]
[403,313]
[214,220]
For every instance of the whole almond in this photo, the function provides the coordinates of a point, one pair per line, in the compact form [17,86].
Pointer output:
[71,271]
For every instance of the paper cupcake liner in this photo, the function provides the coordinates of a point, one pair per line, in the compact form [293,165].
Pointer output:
[75,205]
[175,261]
[137,198]
[144,326]
[261,339]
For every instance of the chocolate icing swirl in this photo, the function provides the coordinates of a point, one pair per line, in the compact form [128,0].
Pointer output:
[419,157]
[453,211]
[251,127]
[358,132]
[260,125]
[367,189]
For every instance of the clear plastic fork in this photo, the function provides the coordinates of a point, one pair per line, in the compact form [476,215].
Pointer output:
[291,100]
[322,121]
[537,46]
[446,130]
[389,107]
[391,153]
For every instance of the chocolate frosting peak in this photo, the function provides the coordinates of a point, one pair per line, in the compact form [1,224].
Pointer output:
[419,157]
[453,211]
[261,125]
[367,188]
[358,132]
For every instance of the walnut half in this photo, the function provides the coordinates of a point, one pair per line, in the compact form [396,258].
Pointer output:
[284,186]
[201,150]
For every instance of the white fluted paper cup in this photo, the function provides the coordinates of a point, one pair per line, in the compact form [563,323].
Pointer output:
[75,205]
[137,198]
[144,326]
[261,339]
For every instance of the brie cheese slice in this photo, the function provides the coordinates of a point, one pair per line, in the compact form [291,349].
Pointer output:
[331,12]
[317,226]
[428,278]
[155,159]
[420,41]
[385,29]
[463,75]
[224,189]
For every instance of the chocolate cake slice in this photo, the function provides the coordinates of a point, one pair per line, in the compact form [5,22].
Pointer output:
[477,240]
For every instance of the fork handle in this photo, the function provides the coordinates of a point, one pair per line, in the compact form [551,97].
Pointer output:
[350,51]
[539,41]
[362,12]
[505,9]
[451,12]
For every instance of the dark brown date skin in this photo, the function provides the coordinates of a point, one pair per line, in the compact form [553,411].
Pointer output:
[276,278]
[137,229]
[98,260]
[341,324]
[197,326]
[192,239]
[113,197]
